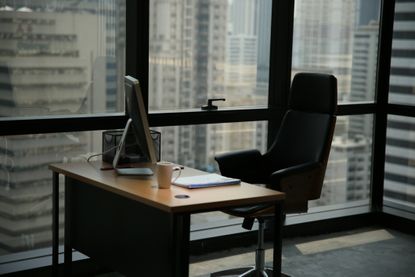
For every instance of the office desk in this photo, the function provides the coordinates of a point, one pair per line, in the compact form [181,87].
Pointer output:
[131,226]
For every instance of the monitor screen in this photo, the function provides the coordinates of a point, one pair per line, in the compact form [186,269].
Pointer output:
[135,110]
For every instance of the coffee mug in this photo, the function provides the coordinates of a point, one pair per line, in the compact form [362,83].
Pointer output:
[165,172]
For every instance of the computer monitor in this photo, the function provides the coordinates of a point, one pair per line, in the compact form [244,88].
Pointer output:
[138,122]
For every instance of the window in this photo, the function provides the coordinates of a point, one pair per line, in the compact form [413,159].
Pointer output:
[61,59]
[340,38]
[399,176]
[196,145]
[227,56]
[57,59]
[347,179]
[26,185]
[399,163]
[198,49]
[402,75]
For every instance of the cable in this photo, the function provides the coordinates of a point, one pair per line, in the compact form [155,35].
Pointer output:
[100,154]
[108,150]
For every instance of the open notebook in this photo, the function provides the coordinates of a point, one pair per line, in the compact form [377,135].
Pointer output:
[206,180]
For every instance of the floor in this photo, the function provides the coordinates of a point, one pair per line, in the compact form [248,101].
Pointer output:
[363,252]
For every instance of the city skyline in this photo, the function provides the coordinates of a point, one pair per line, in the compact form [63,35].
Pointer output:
[50,65]
[197,50]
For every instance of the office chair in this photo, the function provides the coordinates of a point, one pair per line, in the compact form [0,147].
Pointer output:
[295,163]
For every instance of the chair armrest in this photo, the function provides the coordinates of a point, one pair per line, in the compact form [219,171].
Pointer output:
[246,165]
[238,157]
[300,169]
[300,183]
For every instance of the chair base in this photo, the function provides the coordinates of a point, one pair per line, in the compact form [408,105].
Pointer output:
[246,272]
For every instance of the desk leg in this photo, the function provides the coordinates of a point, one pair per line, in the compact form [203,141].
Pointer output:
[181,235]
[67,242]
[279,221]
[55,223]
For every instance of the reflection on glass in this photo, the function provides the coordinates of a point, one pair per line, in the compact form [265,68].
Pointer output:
[207,49]
[26,184]
[338,37]
[61,57]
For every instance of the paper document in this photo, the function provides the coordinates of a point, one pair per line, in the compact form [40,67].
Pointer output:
[203,181]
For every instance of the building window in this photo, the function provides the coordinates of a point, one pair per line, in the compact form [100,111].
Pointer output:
[61,58]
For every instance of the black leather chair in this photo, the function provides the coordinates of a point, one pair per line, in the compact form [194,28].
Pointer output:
[295,163]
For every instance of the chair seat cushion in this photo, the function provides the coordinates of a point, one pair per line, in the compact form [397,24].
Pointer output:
[248,210]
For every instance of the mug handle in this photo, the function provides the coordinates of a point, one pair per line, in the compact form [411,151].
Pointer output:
[177,168]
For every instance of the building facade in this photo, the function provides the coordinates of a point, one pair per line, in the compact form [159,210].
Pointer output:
[54,60]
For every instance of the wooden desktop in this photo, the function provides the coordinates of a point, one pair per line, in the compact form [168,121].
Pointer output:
[131,226]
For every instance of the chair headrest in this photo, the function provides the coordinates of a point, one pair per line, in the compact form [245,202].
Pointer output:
[314,92]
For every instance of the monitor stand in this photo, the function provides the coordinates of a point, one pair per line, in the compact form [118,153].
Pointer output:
[134,171]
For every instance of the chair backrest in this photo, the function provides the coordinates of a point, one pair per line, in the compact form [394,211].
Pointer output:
[307,128]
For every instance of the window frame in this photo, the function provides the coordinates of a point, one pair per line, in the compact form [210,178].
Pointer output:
[137,64]
[282,21]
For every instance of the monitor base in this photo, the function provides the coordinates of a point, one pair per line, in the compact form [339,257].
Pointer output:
[136,171]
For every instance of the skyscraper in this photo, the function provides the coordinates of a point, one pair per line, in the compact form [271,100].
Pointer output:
[399,164]
[187,55]
[340,38]
[323,39]
[53,61]
[199,50]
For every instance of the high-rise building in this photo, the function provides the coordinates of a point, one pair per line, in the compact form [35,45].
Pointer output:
[200,50]
[399,163]
[29,37]
[241,82]
[264,42]
[187,53]
[53,61]
[322,42]
[357,141]
[340,38]
[323,39]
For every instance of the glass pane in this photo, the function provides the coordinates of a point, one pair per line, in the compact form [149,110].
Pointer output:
[26,185]
[61,57]
[399,184]
[338,37]
[347,180]
[207,49]
[195,146]
[402,75]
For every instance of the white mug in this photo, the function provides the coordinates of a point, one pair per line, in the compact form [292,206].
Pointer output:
[164,174]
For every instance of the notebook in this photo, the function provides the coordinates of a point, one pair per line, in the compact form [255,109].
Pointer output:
[206,180]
